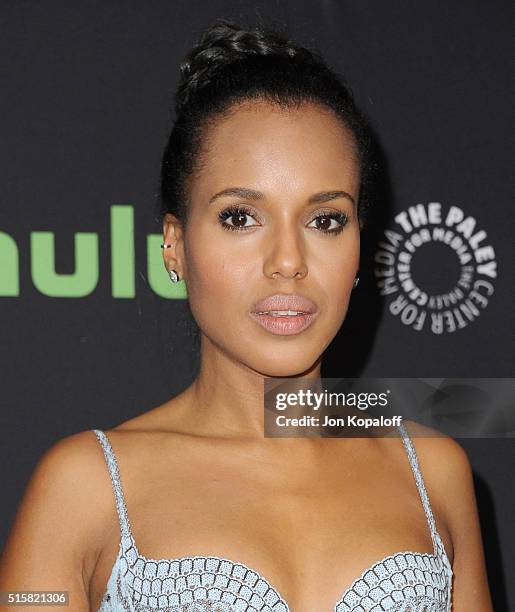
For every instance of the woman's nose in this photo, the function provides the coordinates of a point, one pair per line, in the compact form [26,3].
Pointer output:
[286,257]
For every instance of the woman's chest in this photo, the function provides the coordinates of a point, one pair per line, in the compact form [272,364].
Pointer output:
[308,542]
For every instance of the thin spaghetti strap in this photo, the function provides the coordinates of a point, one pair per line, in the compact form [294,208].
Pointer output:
[413,459]
[114,472]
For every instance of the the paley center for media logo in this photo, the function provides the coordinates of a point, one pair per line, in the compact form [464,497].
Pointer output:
[436,268]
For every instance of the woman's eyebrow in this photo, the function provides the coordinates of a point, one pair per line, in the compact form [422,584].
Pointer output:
[251,194]
[326,196]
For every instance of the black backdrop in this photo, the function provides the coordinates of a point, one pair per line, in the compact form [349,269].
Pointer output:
[86,109]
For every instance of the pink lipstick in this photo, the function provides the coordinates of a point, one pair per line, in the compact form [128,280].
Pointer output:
[284,314]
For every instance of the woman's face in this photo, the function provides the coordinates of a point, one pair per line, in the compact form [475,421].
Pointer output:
[277,245]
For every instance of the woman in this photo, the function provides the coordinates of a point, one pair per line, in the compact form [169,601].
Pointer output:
[264,185]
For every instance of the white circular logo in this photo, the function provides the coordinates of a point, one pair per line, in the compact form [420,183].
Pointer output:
[436,268]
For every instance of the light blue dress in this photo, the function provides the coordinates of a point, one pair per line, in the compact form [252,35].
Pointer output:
[406,581]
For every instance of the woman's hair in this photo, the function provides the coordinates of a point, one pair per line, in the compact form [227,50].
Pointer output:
[232,64]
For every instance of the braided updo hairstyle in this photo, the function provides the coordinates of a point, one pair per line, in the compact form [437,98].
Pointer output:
[232,64]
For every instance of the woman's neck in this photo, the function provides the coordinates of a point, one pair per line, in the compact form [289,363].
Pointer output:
[227,396]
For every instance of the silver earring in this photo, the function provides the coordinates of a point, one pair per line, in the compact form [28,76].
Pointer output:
[356,281]
[174,277]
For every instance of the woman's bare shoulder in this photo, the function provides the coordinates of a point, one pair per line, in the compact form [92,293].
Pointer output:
[450,480]
[447,474]
[75,458]
[73,469]
[442,459]
[440,455]
[56,533]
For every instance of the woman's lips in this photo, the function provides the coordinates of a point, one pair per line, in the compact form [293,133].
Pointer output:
[284,313]
[285,324]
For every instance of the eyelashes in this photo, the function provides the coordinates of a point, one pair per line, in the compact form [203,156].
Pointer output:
[241,211]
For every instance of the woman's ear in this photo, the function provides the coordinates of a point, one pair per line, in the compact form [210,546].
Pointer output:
[173,245]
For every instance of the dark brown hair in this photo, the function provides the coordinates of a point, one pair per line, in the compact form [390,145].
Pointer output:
[231,64]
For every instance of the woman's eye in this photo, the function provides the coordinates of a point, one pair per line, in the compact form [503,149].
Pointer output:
[331,222]
[235,218]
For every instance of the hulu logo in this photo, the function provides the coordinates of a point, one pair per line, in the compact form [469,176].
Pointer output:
[84,279]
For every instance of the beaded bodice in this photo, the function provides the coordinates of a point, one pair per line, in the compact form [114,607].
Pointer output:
[406,581]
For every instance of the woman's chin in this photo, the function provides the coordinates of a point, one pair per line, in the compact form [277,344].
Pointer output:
[281,368]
